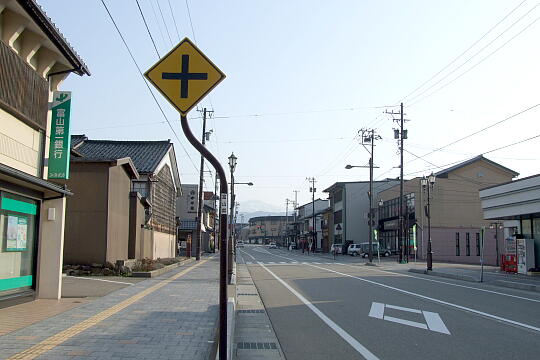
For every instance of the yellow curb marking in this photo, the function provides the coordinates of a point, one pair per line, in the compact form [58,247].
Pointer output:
[55,340]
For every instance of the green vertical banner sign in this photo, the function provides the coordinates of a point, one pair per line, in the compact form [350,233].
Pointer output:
[414,237]
[60,145]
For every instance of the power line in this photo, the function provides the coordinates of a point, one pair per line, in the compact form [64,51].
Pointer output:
[191,22]
[149,89]
[464,52]
[481,130]
[157,22]
[164,23]
[148,29]
[478,63]
[174,20]
[413,102]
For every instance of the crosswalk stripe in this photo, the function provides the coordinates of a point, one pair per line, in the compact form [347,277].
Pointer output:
[282,262]
[249,262]
[271,262]
[317,263]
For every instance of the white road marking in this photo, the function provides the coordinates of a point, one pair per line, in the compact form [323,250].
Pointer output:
[344,335]
[248,254]
[377,310]
[442,282]
[490,316]
[282,262]
[111,281]
[405,322]
[416,311]
[434,322]
[248,263]
[432,280]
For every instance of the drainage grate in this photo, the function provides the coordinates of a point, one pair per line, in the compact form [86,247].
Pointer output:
[256,346]
[250,311]
[246,294]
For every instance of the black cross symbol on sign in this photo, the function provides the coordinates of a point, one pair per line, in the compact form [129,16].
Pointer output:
[184,76]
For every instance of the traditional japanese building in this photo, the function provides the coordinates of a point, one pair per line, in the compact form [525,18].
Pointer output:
[34,60]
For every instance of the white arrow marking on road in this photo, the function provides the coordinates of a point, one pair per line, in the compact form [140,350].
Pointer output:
[348,338]
[433,320]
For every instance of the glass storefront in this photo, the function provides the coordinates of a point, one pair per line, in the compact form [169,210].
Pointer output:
[18,234]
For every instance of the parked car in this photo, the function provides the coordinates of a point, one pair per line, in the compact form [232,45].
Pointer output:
[354,249]
[337,248]
[293,246]
[239,243]
[376,250]
[272,246]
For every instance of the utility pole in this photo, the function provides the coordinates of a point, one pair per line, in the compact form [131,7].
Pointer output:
[400,135]
[205,136]
[287,201]
[312,189]
[295,205]
[216,242]
[368,138]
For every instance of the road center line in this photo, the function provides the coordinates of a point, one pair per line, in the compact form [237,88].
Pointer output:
[344,335]
[490,316]
[432,280]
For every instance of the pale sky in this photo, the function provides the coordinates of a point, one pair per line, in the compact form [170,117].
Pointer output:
[314,73]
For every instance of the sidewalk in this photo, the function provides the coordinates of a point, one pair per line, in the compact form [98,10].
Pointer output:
[173,316]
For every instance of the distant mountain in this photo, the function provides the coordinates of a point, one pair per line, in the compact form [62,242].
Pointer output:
[251,206]
[249,215]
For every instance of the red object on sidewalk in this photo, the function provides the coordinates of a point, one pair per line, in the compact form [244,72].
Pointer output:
[509,263]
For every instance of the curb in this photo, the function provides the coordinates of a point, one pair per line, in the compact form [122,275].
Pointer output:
[154,273]
[513,285]
[444,275]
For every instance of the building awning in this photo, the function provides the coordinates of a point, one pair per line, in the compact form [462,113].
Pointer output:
[17,177]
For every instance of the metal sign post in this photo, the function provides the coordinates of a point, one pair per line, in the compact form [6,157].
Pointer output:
[184,76]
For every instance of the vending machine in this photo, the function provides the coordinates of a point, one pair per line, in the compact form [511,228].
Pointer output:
[525,255]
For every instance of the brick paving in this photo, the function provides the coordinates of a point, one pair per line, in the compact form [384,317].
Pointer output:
[175,321]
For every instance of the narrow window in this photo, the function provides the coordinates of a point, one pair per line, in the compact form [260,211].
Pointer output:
[477,244]
[457,244]
[467,244]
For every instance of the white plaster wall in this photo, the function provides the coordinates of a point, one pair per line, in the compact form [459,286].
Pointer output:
[51,250]
[163,245]
[19,144]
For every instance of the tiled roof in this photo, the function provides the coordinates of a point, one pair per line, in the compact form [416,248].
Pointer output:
[146,155]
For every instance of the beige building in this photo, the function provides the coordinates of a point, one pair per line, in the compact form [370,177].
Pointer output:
[34,60]
[267,229]
[456,213]
[124,201]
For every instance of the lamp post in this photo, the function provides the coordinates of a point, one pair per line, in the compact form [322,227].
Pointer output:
[370,195]
[428,183]
[496,225]
[232,167]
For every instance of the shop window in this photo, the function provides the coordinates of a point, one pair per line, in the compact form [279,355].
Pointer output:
[477,244]
[467,244]
[457,245]
[18,237]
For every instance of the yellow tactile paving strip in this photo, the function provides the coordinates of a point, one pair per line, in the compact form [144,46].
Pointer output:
[55,340]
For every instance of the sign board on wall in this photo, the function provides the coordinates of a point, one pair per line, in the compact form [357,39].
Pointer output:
[60,144]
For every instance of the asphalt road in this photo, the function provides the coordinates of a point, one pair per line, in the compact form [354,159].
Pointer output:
[326,309]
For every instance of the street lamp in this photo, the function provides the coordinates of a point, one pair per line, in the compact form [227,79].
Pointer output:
[428,183]
[497,226]
[232,167]
[370,195]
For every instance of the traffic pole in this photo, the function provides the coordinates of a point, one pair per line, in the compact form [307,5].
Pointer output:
[223,229]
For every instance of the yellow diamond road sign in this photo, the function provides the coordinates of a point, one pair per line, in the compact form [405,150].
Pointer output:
[184,76]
